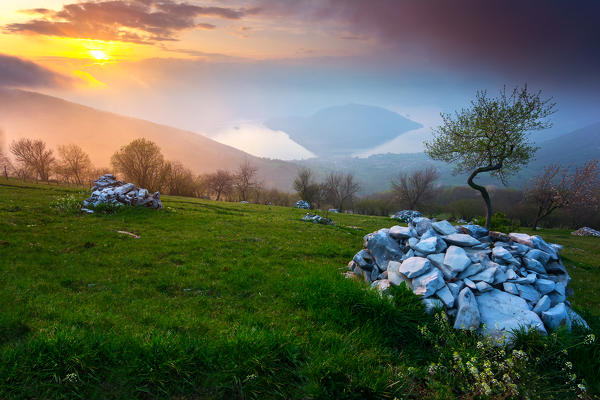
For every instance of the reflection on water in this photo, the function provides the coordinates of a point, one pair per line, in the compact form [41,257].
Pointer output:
[258,140]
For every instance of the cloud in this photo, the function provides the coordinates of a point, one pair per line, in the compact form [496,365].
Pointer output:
[137,21]
[16,72]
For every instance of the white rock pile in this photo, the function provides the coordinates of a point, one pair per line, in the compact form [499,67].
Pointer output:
[302,204]
[586,231]
[108,190]
[317,219]
[406,215]
[487,281]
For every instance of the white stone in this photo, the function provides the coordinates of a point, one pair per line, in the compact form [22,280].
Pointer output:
[539,255]
[543,304]
[486,275]
[456,259]
[501,254]
[426,285]
[402,232]
[470,284]
[394,275]
[432,304]
[483,286]
[382,285]
[414,266]
[510,288]
[528,292]
[468,316]
[501,313]
[534,265]
[421,224]
[557,316]
[522,238]
[471,270]
[544,286]
[443,227]
[576,319]
[446,296]
[461,239]
[427,246]
[455,287]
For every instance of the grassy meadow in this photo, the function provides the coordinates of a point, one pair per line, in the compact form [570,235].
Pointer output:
[222,300]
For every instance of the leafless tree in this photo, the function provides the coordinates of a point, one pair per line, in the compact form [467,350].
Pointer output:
[340,189]
[6,167]
[220,183]
[140,162]
[178,180]
[74,164]
[306,187]
[245,180]
[557,188]
[414,189]
[33,157]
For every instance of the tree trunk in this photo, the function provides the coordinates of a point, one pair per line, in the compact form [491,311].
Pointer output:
[483,190]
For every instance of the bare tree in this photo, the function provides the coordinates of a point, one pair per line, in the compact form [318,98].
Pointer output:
[33,157]
[178,180]
[74,164]
[557,188]
[6,167]
[245,180]
[340,189]
[220,183]
[140,162]
[414,189]
[306,187]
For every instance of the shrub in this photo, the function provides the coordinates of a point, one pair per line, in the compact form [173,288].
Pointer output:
[68,204]
[500,223]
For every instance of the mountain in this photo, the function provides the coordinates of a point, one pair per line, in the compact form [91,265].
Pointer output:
[100,134]
[343,130]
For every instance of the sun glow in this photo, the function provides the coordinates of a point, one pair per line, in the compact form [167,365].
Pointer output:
[99,54]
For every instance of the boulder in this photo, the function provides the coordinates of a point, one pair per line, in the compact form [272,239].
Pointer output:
[456,260]
[586,231]
[455,287]
[576,319]
[522,238]
[414,266]
[472,269]
[483,286]
[443,227]
[544,286]
[502,313]
[503,256]
[528,293]
[406,215]
[534,265]
[394,275]
[421,224]
[486,275]
[427,246]
[302,204]
[402,232]
[108,190]
[539,255]
[461,239]
[468,316]
[474,230]
[510,288]
[427,284]
[383,249]
[543,304]
[556,317]
[446,296]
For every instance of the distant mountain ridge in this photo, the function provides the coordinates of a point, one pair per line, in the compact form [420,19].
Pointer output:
[343,130]
[101,133]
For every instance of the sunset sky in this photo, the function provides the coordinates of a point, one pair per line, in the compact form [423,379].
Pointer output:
[201,65]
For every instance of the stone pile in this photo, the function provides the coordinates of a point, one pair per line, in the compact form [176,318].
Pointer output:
[317,219]
[487,281]
[108,190]
[406,215]
[586,231]
[302,204]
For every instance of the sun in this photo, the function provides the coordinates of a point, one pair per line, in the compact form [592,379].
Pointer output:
[98,54]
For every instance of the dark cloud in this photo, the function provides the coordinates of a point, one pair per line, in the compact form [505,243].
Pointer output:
[16,72]
[553,36]
[138,21]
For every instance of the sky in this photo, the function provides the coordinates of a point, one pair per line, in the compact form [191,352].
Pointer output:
[222,68]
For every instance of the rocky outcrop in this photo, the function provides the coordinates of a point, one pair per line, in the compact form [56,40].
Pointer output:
[406,215]
[108,190]
[586,231]
[302,204]
[490,282]
[317,219]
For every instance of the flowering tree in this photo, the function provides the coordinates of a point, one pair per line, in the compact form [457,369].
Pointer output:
[491,136]
[557,188]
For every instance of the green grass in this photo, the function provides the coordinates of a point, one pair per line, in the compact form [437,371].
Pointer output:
[234,301]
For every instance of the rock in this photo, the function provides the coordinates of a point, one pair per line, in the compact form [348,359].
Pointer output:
[302,204]
[382,285]
[432,304]
[394,275]
[474,230]
[455,287]
[471,270]
[108,190]
[539,255]
[556,298]
[486,275]
[468,316]
[421,224]
[560,288]
[540,244]
[414,266]
[544,286]
[483,286]
[511,274]
[586,231]
[461,239]
[529,279]
[528,292]
[334,210]
[556,267]
[406,216]
[557,316]
[543,304]
[383,249]
[501,313]
[470,284]
[510,288]
[446,296]
[500,254]
[456,259]
[427,246]
[576,319]
[427,284]
[364,260]
[500,276]
[402,232]
[499,236]
[522,238]
[443,227]
[534,265]
[317,219]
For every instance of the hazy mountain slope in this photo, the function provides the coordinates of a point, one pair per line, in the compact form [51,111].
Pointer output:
[28,114]
[343,130]
[574,148]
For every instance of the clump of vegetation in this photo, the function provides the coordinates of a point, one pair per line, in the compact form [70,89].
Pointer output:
[67,203]
[500,223]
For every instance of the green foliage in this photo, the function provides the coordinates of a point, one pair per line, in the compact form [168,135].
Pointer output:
[225,300]
[67,203]
[500,223]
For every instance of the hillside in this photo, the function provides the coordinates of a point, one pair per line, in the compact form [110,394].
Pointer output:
[223,300]
[99,133]
[343,130]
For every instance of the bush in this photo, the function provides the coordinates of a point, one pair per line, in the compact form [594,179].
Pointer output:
[500,223]
[67,204]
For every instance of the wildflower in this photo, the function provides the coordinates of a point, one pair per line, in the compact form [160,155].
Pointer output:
[456,357]
[569,365]
[589,339]
[432,369]
[72,377]
[480,346]
[581,387]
